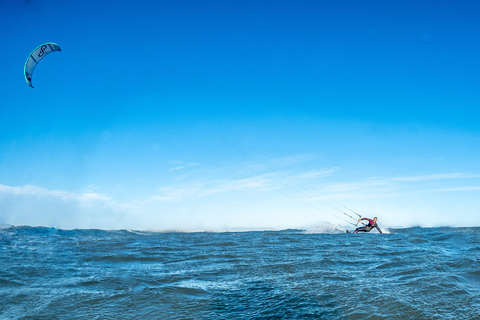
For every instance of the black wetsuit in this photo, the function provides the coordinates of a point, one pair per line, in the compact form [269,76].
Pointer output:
[371,224]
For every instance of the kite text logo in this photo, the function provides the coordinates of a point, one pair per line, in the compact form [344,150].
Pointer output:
[42,51]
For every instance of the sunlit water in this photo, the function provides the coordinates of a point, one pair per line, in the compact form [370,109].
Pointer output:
[411,273]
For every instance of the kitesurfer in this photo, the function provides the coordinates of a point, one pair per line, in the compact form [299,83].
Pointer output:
[371,224]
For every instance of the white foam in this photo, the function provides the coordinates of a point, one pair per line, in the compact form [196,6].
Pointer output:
[325,227]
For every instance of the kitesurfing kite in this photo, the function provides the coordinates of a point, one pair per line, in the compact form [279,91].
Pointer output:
[35,57]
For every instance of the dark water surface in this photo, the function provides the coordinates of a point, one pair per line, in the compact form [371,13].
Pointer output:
[411,273]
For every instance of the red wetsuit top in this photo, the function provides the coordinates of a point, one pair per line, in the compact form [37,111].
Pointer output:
[370,222]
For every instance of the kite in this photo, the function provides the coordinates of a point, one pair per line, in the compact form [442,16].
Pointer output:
[35,57]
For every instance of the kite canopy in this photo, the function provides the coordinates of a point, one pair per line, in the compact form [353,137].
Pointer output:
[35,57]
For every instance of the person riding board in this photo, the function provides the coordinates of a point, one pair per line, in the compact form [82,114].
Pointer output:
[371,224]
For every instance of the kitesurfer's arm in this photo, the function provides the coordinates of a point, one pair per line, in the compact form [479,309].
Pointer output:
[370,221]
[376,226]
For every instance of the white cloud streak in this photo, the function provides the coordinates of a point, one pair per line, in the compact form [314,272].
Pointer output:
[437,177]
[203,189]
[318,173]
[33,205]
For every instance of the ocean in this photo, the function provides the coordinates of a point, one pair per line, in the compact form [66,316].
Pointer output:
[412,273]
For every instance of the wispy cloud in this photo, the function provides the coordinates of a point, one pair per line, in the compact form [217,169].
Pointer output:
[33,205]
[292,160]
[466,188]
[208,188]
[182,166]
[59,194]
[175,169]
[360,185]
[378,187]
[318,173]
[437,177]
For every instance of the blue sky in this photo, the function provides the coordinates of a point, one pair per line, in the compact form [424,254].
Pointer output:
[192,115]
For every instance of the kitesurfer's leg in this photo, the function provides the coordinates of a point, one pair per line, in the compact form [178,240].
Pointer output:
[361,229]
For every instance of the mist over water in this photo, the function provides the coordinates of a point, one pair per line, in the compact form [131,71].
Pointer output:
[413,273]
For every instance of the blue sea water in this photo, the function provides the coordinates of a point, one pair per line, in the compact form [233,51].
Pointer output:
[414,273]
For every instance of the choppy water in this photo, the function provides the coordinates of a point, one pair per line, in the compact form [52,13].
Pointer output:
[411,273]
